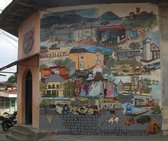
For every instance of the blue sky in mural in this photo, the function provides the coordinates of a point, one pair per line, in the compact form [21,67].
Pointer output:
[89,13]
[155,37]
[93,49]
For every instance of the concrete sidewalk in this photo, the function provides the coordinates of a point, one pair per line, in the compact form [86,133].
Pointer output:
[97,138]
[104,138]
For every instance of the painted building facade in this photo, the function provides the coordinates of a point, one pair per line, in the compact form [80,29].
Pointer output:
[97,71]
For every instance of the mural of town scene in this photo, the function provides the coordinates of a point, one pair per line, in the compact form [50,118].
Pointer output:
[100,71]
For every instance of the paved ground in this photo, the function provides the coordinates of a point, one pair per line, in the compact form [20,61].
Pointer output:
[97,138]
[94,138]
[2,134]
[103,138]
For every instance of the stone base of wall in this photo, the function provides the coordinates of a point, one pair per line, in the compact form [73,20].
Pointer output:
[165,133]
[165,120]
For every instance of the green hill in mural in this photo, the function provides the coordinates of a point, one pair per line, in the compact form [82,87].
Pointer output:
[75,18]
[143,19]
[108,16]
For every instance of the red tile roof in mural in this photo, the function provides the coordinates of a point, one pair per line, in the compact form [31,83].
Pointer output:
[112,27]
[43,51]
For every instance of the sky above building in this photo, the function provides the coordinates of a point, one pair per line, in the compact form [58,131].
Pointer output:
[8,47]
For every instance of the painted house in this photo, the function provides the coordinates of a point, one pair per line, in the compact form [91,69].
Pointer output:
[111,33]
[48,32]
[86,57]
[150,50]
[123,54]
[55,54]
[85,33]
[155,51]
[64,71]
[55,85]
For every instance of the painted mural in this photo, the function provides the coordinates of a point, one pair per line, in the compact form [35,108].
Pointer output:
[100,70]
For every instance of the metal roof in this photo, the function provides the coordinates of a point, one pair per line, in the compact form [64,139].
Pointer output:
[54,78]
[19,10]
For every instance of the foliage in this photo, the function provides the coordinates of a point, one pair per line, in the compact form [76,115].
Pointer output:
[43,66]
[43,88]
[144,19]
[12,79]
[43,47]
[68,89]
[147,90]
[54,46]
[65,62]
[98,36]
[156,109]
[147,81]
[131,63]
[47,102]
[134,45]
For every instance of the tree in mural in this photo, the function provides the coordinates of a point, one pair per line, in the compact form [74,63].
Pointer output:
[98,36]
[43,88]
[43,66]
[143,19]
[134,46]
[47,102]
[68,89]
[65,62]
[43,47]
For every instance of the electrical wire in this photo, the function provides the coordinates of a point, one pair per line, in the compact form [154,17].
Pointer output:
[8,41]
[8,35]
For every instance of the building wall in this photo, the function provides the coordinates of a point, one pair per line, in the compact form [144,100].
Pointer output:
[88,60]
[32,65]
[92,96]
[29,42]
[164,61]
[114,28]
[29,36]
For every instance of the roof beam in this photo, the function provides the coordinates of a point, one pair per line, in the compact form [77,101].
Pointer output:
[16,14]
[26,5]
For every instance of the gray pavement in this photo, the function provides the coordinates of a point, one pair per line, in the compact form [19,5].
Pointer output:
[104,138]
[94,138]
[2,134]
[97,138]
